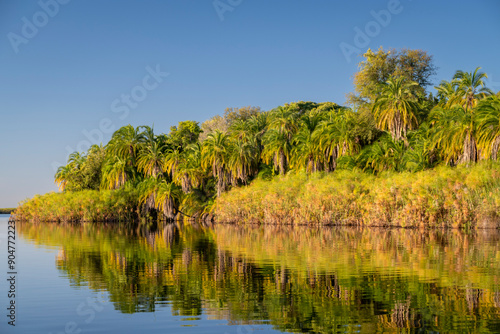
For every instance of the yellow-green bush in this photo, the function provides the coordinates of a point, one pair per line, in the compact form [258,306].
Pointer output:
[86,205]
[462,197]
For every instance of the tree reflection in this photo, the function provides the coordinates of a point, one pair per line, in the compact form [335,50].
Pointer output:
[297,278]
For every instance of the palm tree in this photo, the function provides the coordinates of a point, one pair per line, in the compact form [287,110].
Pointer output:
[161,195]
[76,159]
[277,149]
[471,87]
[167,198]
[454,132]
[284,121]
[305,152]
[124,143]
[419,154]
[447,93]
[69,177]
[277,141]
[114,173]
[188,172]
[385,154]
[396,107]
[215,155]
[147,134]
[151,159]
[488,120]
[173,158]
[62,176]
[335,138]
[242,159]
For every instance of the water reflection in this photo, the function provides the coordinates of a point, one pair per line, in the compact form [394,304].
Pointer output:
[297,279]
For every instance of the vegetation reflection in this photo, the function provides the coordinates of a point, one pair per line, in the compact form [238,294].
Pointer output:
[298,279]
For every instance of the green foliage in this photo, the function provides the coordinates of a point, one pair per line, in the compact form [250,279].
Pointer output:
[379,66]
[185,133]
[83,170]
[85,205]
[230,117]
[395,109]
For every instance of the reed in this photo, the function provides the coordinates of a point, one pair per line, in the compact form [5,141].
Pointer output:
[81,206]
[449,197]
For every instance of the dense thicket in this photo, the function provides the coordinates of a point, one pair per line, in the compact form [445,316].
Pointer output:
[391,124]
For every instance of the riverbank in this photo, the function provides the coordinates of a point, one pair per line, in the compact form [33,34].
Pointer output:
[443,197]
[449,197]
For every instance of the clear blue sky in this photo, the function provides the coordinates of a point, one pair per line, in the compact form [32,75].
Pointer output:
[69,68]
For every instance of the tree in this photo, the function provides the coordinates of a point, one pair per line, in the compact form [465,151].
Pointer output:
[471,87]
[305,152]
[186,133]
[419,154]
[447,93]
[457,121]
[454,133]
[395,108]
[277,150]
[231,116]
[242,159]
[336,137]
[82,171]
[62,176]
[161,195]
[277,141]
[284,120]
[124,143]
[379,66]
[114,173]
[215,155]
[189,173]
[488,120]
[151,159]
[384,154]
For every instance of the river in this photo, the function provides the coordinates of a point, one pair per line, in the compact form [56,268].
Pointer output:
[192,278]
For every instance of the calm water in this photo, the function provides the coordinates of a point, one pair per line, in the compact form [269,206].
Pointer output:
[228,279]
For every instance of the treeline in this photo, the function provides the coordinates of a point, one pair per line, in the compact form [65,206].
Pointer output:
[391,124]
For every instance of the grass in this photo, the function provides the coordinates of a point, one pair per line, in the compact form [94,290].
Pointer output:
[449,197]
[86,205]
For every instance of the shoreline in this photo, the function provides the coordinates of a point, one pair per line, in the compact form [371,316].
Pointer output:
[466,198]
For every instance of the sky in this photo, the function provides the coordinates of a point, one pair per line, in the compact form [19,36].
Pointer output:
[73,71]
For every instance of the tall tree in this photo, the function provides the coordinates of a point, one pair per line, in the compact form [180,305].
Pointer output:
[151,159]
[488,120]
[395,108]
[454,133]
[306,152]
[379,66]
[125,143]
[336,136]
[471,87]
[277,149]
[215,155]
[115,173]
